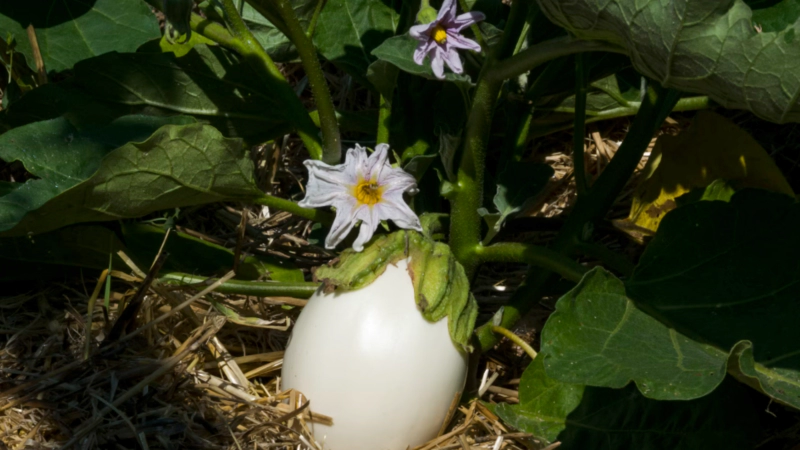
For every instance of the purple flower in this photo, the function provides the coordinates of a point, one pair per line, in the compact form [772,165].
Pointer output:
[440,38]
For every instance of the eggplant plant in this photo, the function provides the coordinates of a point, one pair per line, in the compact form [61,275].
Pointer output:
[115,118]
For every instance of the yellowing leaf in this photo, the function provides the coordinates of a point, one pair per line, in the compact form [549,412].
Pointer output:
[711,148]
[182,46]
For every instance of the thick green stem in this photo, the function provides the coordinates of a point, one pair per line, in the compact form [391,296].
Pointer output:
[535,256]
[579,129]
[254,288]
[384,116]
[593,206]
[289,206]
[331,140]
[254,53]
[468,196]
[540,53]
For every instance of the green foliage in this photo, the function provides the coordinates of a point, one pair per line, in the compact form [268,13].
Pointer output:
[725,273]
[348,31]
[179,165]
[544,403]
[270,37]
[518,183]
[710,47]
[399,51]
[69,31]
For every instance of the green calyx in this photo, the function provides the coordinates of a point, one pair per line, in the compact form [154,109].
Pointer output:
[427,14]
[441,287]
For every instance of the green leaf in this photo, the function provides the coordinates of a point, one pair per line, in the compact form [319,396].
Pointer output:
[277,45]
[612,419]
[192,255]
[519,182]
[68,31]
[544,403]
[704,46]
[399,51]
[598,337]
[348,31]
[177,166]
[209,83]
[727,273]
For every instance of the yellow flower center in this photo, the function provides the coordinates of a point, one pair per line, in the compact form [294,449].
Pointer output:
[367,192]
[439,34]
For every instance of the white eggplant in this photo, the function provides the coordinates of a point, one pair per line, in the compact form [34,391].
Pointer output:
[387,376]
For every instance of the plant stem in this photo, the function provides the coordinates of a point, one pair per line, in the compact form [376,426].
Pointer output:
[545,51]
[252,51]
[331,140]
[579,129]
[515,339]
[289,206]
[254,288]
[657,105]
[312,26]
[534,255]
[384,116]
[468,196]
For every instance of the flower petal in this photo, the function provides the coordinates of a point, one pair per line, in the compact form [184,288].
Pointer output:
[422,32]
[356,162]
[397,180]
[452,59]
[447,13]
[369,223]
[375,163]
[326,184]
[422,50]
[345,220]
[394,208]
[437,63]
[455,40]
[465,20]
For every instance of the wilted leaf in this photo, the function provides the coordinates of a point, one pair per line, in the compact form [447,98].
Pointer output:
[598,337]
[72,30]
[348,31]
[176,166]
[544,403]
[703,46]
[727,273]
[191,255]
[711,148]
[622,419]
[399,51]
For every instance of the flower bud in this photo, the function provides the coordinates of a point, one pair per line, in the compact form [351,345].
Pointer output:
[178,14]
[427,14]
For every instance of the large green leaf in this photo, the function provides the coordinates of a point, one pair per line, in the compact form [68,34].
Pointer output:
[727,274]
[179,165]
[72,30]
[707,46]
[598,337]
[614,419]
[544,403]
[348,31]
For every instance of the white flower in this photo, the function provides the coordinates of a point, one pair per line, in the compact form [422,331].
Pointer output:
[364,188]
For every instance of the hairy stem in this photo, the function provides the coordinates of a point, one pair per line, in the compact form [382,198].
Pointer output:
[289,206]
[535,256]
[592,206]
[331,140]
[254,53]
[384,116]
[254,288]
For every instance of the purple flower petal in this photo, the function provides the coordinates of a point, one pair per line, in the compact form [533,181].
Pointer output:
[465,20]
[447,12]
[422,32]
[437,63]
[456,40]
[422,50]
[452,59]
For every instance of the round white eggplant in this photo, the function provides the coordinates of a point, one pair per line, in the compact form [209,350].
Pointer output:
[368,359]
